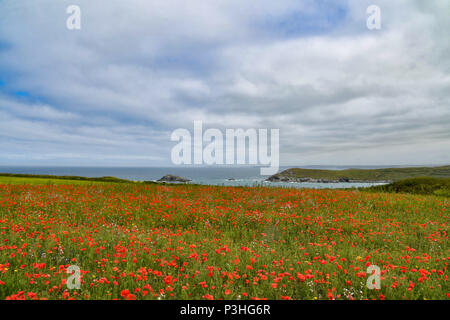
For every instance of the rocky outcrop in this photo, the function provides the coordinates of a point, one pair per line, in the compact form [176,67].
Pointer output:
[172,178]
[277,178]
[287,177]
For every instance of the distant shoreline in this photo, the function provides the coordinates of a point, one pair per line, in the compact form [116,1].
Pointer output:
[384,175]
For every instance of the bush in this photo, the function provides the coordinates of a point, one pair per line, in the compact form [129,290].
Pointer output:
[423,185]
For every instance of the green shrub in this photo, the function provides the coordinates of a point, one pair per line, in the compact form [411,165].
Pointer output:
[422,185]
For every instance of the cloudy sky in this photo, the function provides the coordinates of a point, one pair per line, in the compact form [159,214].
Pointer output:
[111,93]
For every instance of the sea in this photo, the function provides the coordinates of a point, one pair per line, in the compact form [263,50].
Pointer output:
[226,176]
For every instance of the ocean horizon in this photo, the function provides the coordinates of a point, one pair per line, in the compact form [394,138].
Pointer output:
[226,175]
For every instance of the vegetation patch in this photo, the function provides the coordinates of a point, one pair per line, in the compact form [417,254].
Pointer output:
[423,185]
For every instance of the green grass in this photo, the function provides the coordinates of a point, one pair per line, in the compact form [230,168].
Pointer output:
[34,181]
[16,178]
[388,174]
[39,178]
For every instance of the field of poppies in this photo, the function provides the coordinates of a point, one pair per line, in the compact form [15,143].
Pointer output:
[134,241]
